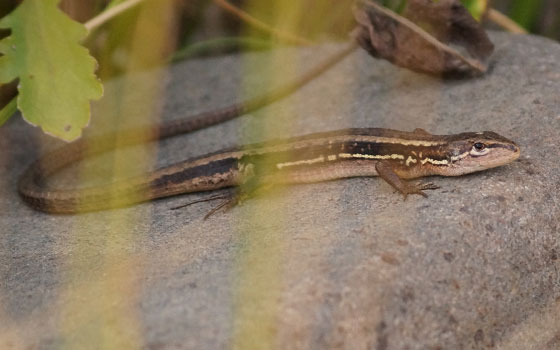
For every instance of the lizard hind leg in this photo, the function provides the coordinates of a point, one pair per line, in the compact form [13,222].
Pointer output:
[226,205]
[251,188]
[229,201]
[247,181]
[207,199]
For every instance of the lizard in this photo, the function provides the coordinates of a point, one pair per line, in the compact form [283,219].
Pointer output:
[395,156]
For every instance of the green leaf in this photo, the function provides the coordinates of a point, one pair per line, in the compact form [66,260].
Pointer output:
[56,74]
[477,8]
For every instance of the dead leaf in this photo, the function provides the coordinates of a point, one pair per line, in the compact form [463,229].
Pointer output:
[439,38]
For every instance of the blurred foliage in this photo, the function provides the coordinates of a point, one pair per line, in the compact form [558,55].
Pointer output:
[525,12]
[540,17]
[205,29]
[395,5]
[201,20]
[477,8]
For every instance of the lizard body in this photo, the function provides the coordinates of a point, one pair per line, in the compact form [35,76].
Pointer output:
[390,154]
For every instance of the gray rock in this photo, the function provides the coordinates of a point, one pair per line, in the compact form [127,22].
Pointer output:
[344,264]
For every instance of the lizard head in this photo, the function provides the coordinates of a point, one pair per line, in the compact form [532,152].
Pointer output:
[476,151]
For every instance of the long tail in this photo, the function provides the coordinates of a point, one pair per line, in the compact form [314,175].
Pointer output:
[136,189]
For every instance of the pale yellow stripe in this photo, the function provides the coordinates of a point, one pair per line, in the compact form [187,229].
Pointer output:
[370,156]
[319,159]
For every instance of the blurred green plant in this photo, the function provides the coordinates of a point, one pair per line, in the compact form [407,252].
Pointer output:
[525,12]
[397,6]
[477,8]
[113,3]
[57,100]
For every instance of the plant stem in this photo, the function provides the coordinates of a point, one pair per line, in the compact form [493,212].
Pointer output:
[8,110]
[286,37]
[108,14]
[225,43]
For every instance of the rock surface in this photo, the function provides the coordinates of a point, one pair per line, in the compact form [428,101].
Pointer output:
[344,264]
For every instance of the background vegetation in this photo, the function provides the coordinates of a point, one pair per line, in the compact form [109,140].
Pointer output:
[201,27]
[199,21]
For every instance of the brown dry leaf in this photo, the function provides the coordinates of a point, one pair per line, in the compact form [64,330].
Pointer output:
[438,38]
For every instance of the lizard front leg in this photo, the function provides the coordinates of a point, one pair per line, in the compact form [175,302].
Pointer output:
[386,172]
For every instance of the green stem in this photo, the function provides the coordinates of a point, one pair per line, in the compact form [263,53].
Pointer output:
[8,111]
[221,44]
[109,13]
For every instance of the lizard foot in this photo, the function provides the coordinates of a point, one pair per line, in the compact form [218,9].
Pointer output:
[418,188]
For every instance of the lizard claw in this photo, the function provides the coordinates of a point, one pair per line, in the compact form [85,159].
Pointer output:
[228,204]
[426,186]
[418,188]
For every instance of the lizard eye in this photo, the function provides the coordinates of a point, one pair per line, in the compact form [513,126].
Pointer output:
[479,146]
[479,149]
